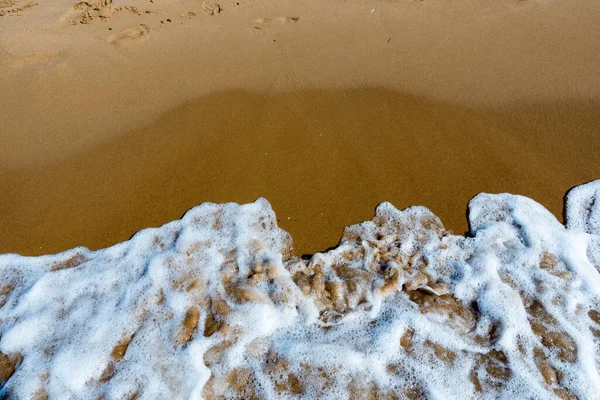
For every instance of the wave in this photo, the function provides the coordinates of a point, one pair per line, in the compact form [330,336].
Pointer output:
[214,306]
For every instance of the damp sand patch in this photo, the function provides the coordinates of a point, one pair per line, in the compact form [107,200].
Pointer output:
[323,158]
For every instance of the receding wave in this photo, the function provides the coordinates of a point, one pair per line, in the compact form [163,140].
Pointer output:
[214,306]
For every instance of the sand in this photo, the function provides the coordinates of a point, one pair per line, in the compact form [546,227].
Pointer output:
[117,119]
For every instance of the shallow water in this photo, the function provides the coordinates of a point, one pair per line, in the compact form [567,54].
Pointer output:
[324,159]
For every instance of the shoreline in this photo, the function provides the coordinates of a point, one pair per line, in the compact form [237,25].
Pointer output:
[400,303]
[584,194]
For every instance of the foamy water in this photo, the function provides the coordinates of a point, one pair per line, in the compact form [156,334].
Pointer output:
[213,306]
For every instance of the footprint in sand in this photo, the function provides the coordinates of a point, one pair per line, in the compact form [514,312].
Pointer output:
[12,8]
[189,14]
[208,8]
[211,8]
[281,20]
[84,12]
[38,60]
[130,36]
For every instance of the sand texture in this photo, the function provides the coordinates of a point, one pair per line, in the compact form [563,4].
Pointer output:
[119,116]
[116,116]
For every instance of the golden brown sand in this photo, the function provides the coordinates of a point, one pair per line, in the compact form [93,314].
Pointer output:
[110,124]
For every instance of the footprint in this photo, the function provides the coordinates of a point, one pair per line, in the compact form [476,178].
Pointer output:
[82,5]
[281,20]
[84,12]
[211,8]
[7,3]
[130,36]
[10,8]
[189,14]
[40,60]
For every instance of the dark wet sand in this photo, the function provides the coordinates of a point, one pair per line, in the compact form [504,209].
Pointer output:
[324,159]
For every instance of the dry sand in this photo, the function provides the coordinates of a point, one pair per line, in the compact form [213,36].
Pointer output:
[116,119]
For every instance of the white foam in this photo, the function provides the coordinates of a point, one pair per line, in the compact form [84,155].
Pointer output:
[213,306]
[583,208]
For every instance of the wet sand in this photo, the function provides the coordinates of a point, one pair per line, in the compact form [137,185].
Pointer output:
[323,158]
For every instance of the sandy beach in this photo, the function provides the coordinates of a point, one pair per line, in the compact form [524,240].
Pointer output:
[119,117]
[316,199]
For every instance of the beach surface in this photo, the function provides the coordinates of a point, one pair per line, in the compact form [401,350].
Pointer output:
[117,117]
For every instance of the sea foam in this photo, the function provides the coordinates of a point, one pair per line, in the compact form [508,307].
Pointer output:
[214,306]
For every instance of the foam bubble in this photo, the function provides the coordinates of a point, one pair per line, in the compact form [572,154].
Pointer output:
[583,208]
